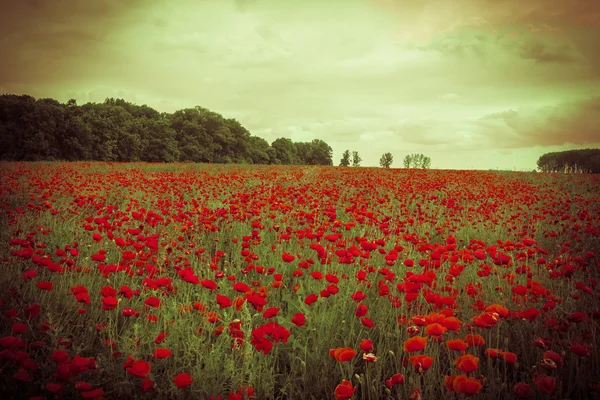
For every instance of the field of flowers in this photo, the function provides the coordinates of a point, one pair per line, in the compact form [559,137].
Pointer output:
[235,282]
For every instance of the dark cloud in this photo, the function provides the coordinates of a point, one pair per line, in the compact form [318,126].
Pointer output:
[504,12]
[573,12]
[575,123]
[544,53]
[462,43]
[40,40]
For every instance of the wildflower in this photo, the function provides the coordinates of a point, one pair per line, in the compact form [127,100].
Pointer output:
[344,390]
[414,344]
[183,380]
[342,354]
[467,363]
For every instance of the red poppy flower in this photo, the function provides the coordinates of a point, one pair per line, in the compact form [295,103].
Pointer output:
[415,343]
[241,287]
[287,257]
[160,337]
[435,329]
[45,286]
[467,363]
[109,303]
[469,386]
[183,380]
[161,353]
[358,296]
[474,340]
[344,390]
[343,354]
[152,301]
[318,275]
[367,322]
[139,368]
[421,363]
[310,299]
[107,291]
[366,345]
[546,384]
[299,319]
[582,350]
[555,357]
[30,274]
[396,379]
[457,344]
[271,312]
[509,357]
[223,301]
[18,328]
[452,323]
[493,353]
[209,284]
[361,310]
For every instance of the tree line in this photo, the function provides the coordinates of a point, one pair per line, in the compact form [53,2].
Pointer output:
[117,130]
[571,161]
[386,160]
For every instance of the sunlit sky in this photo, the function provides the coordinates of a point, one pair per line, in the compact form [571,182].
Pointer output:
[473,84]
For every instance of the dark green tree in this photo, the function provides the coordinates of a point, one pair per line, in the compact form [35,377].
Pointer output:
[259,151]
[320,153]
[356,159]
[345,161]
[158,140]
[386,160]
[417,161]
[117,130]
[571,161]
[285,151]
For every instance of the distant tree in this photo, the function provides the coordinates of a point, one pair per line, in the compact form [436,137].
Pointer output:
[117,130]
[417,161]
[345,161]
[320,153]
[259,151]
[285,151]
[426,163]
[238,141]
[386,160]
[356,159]
[571,161]
[158,140]
[194,140]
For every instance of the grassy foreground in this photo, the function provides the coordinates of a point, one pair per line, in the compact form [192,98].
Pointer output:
[204,281]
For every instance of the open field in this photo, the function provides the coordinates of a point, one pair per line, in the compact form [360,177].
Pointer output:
[185,280]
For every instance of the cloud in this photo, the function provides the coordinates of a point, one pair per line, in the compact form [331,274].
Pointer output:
[43,40]
[492,13]
[544,53]
[576,122]
[515,42]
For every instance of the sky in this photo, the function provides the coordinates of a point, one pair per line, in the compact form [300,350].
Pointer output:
[473,84]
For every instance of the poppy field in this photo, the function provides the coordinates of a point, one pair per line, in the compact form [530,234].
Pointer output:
[178,281]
